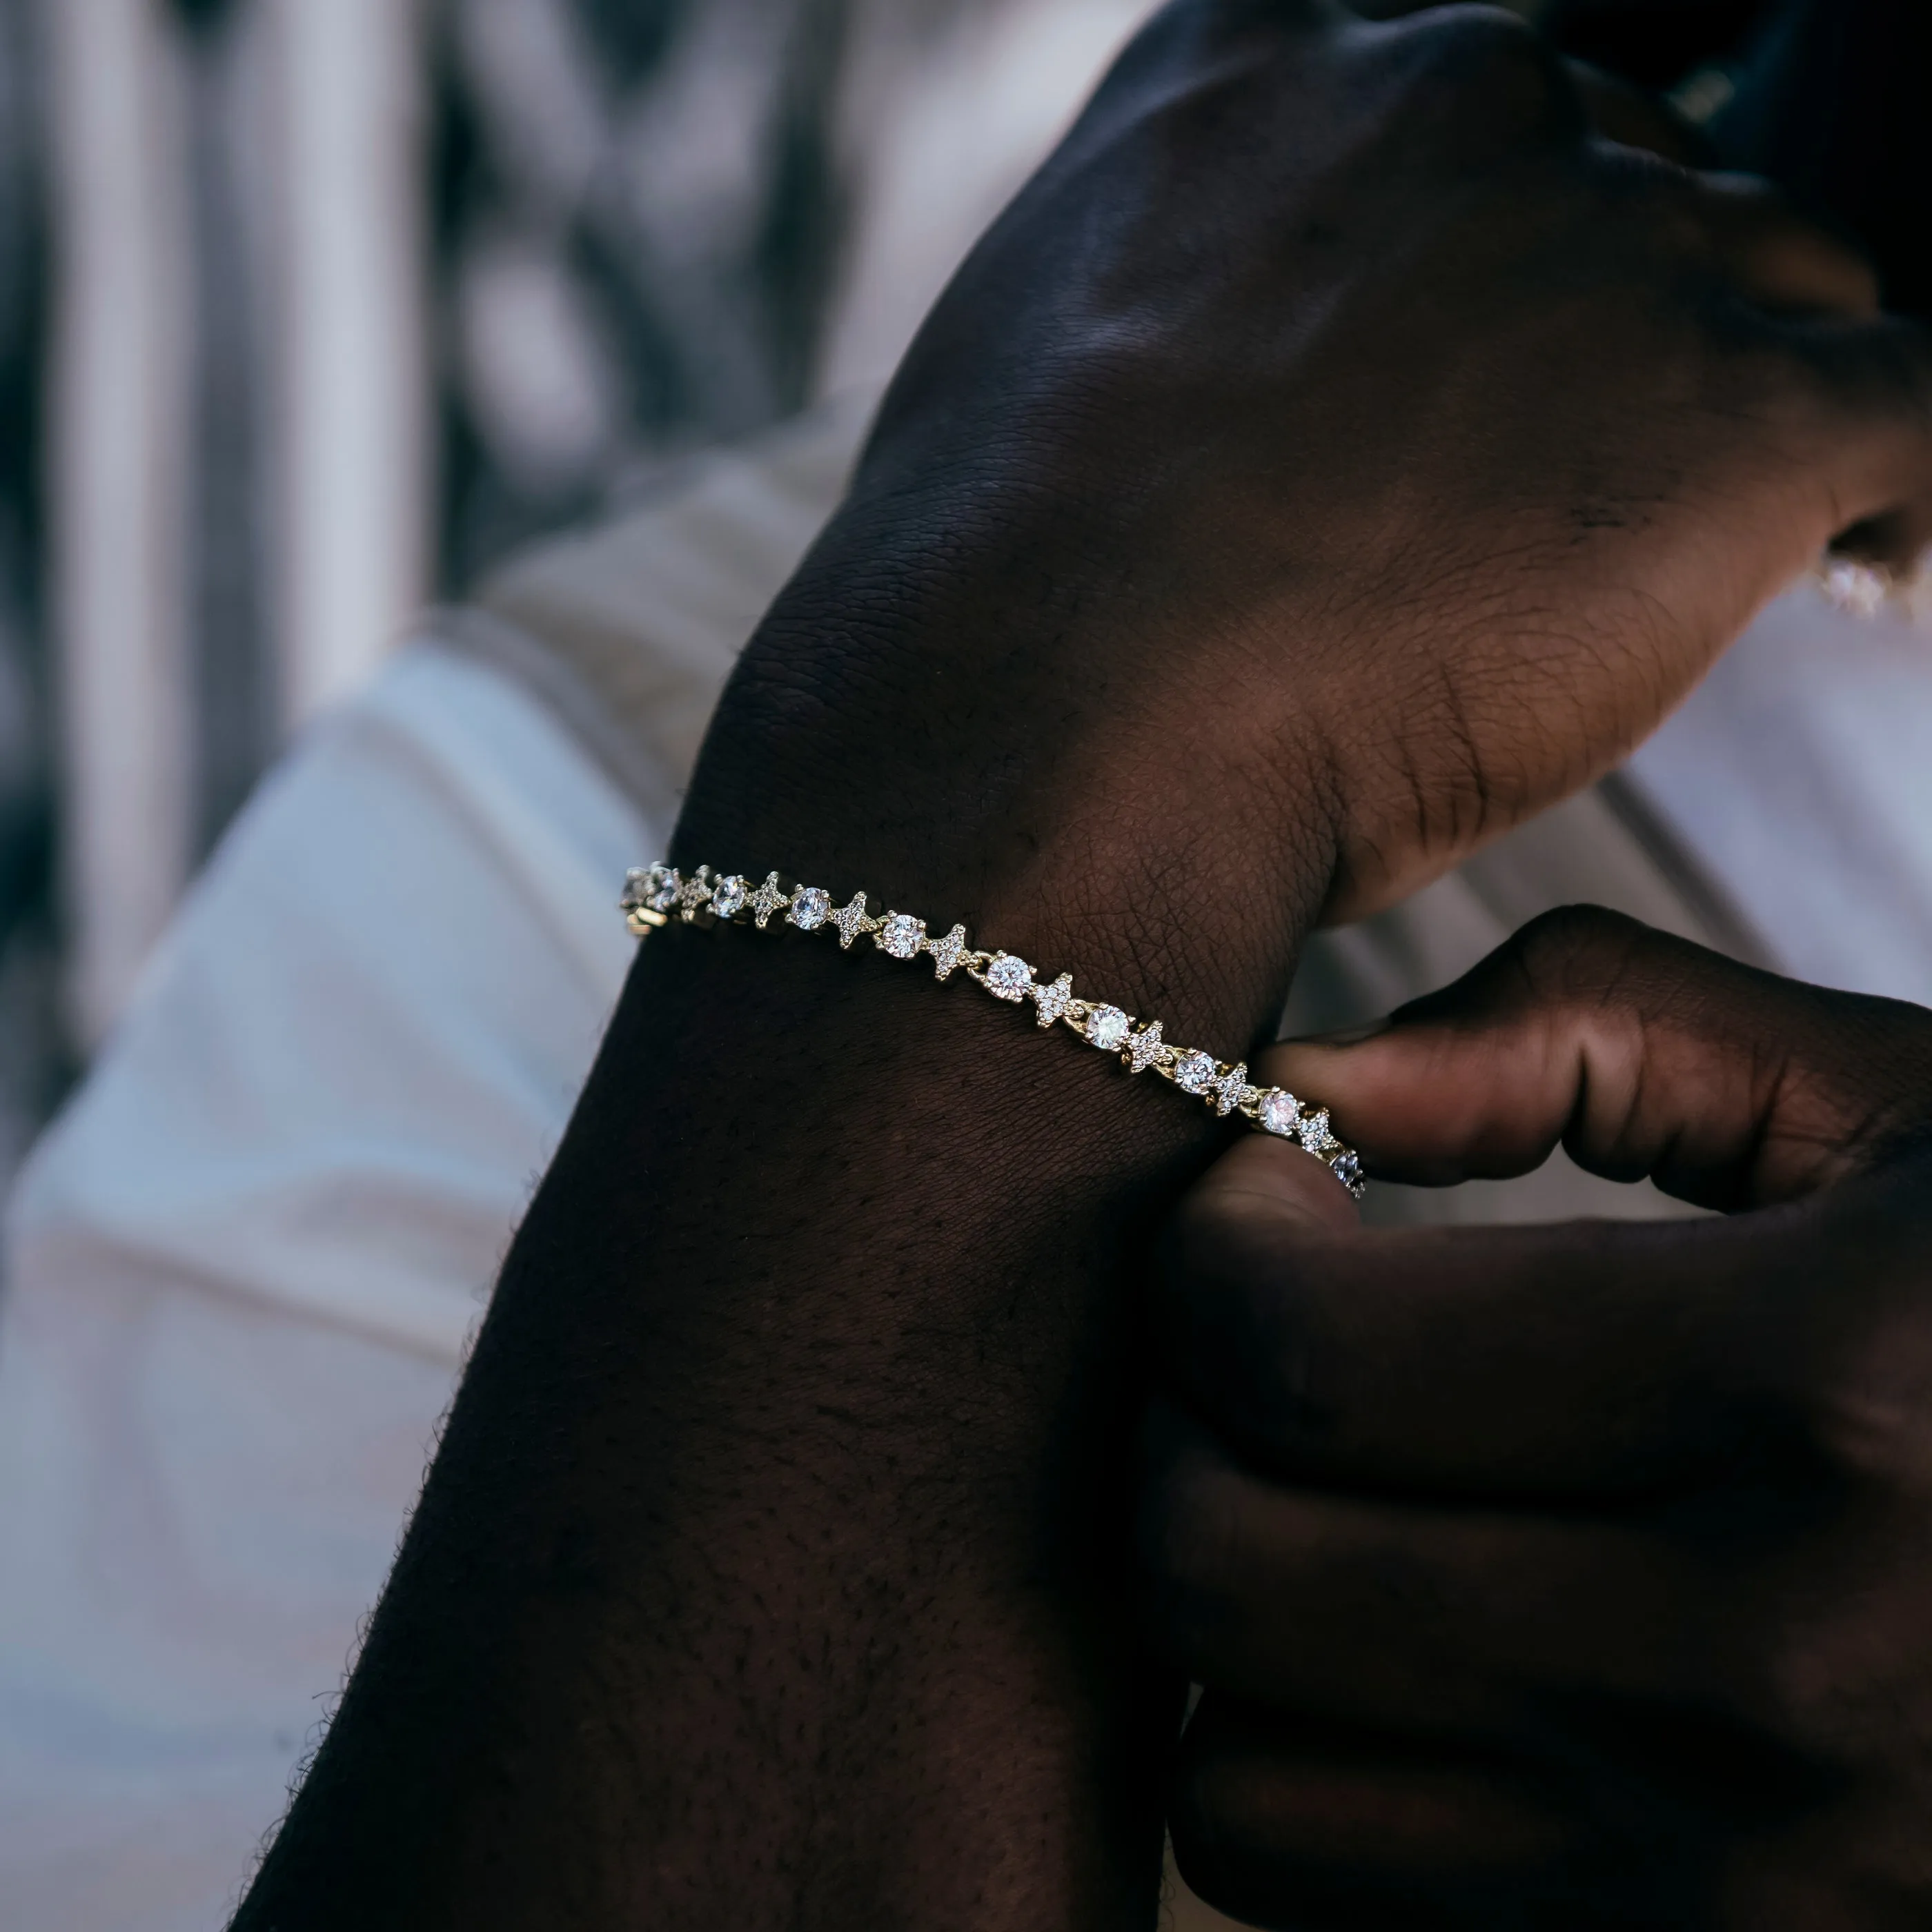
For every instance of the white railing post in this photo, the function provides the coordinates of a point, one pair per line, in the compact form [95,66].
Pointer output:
[355,500]
[118,475]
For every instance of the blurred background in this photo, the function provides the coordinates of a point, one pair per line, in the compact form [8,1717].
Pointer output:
[310,311]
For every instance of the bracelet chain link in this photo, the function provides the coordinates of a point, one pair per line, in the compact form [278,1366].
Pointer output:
[655,894]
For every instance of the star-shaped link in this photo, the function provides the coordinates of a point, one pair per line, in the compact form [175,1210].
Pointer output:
[1145,1048]
[1052,1001]
[693,892]
[851,921]
[947,953]
[1232,1090]
[767,900]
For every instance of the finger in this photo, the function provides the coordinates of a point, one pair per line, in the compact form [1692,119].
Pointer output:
[1461,1622]
[1823,402]
[1633,118]
[1782,260]
[1355,1827]
[1615,1361]
[1283,1819]
[1641,1055]
[1854,397]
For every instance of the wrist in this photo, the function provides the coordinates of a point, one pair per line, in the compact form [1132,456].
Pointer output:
[964,750]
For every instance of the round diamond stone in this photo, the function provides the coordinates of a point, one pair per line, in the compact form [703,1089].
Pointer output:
[811,908]
[1280,1113]
[1195,1072]
[668,890]
[728,896]
[1860,590]
[1347,1169]
[1314,1131]
[1009,977]
[902,935]
[1107,1028]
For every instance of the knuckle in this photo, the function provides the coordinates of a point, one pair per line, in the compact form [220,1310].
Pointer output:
[1815,1684]
[1863,1417]
[1485,65]
[1573,947]
[1842,1675]
[1847,1387]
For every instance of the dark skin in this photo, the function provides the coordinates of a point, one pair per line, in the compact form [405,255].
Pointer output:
[1827,100]
[1239,546]
[1579,1576]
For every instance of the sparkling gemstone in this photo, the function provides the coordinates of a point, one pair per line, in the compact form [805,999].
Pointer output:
[670,887]
[1314,1131]
[1052,1001]
[1107,1028]
[728,896]
[767,900]
[1009,977]
[851,920]
[901,935]
[1145,1048]
[1860,590]
[1195,1072]
[947,953]
[1281,1112]
[811,908]
[1347,1169]
[1231,1090]
[638,885]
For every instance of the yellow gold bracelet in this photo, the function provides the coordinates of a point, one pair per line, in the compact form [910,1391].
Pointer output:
[656,895]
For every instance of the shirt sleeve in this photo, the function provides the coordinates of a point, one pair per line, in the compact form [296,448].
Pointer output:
[242,1267]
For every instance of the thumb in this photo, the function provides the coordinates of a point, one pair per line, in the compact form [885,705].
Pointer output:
[1641,1055]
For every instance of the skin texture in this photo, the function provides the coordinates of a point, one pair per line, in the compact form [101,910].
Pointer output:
[1337,452]
[1572,1576]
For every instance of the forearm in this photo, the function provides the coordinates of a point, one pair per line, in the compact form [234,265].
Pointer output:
[1239,541]
[767,1573]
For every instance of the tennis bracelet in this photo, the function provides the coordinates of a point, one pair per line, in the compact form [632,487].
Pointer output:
[655,894]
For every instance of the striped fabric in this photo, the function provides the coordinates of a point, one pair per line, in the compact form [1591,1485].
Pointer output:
[311,311]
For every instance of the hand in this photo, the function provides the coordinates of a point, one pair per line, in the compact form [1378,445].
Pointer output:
[1335,453]
[1338,452]
[1566,1576]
